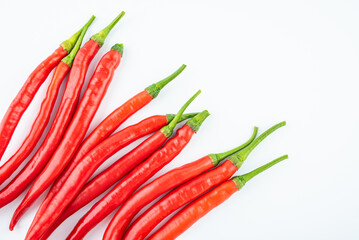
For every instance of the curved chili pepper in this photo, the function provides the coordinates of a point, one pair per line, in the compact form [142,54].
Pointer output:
[185,218]
[110,146]
[78,177]
[76,130]
[132,181]
[29,89]
[165,183]
[62,118]
[187,192]
[45,110]
[54,136]
[110,124]
[113,121]
[119,115]
[116,171]
[139,175]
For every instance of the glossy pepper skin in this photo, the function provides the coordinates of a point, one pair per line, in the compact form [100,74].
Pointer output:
[130,183]
[59,125]
[187,192]
[39,160]
[28,91]
[119,169]
[7,169]
[76,130]
[197,209]
[134,179]
[113,121]
[45,216]
[110,124]
[173,201]
[78,178]
[161,185]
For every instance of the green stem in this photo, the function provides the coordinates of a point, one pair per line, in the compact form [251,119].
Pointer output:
[100,37]
[119,48]
[70,43]
[196,122]
[155,88]
[241,180]
[69,59]
[217,158]
[167,130]
[239,157]
[186,116]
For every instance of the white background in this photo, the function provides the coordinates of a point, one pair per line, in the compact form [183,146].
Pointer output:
[257,63]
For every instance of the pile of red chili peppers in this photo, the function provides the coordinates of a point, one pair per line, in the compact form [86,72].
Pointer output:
[66,160]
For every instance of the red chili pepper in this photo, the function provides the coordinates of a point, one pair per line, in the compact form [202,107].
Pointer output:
[109,125]
[165,183]
[118,116]
[116,171]
[139,175]
[76,130]
[184,219]
[131,182]
[45,110]
[63,116]
[66,142]
[186,193]
[78,178]
[29,89]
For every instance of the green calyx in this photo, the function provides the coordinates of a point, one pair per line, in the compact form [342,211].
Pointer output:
[101,36]
[218,157]
[196,122]
[186,116]
[155,88]
[241,180]
[69,59]
[119,48]
[242,155]
[69,44]
[167,130]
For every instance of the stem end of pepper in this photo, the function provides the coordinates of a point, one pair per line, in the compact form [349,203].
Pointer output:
[186,116]
[246,151]
[242,155]
[217,158]
[69,59]
[101,36]
[155,88]
[167,130]
[69,44]
[119,48]
[196,122]
[248,176]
